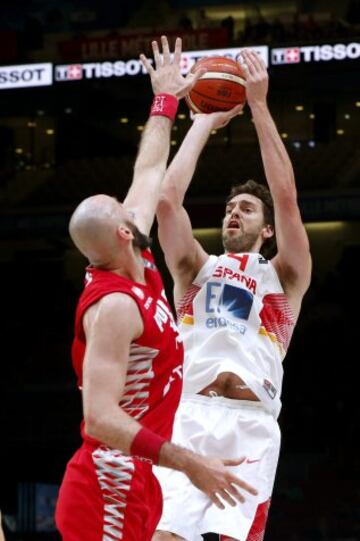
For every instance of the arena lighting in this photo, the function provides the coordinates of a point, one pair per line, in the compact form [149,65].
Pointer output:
[213,132]
[173,143]
[124,120]
[299,107]
[19,151]
[311,144]
[357,104]
[140,128]
[68,110]
[347,116]
[311,227]
[50,131]
[40,112]
[181,116]
[31,124]
[340,131]
[297,144]
[324,226]
[174,128]
[284,135]
[312,116]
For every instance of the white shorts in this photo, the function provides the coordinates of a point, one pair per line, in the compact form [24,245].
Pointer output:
[228,429]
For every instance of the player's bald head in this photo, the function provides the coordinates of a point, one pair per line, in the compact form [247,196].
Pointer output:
[93,227]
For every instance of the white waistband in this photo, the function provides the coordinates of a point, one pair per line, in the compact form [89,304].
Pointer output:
[222,401]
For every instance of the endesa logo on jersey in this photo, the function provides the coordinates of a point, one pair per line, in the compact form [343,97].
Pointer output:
[315,53]
[98,70]
[26,75]
[226,305]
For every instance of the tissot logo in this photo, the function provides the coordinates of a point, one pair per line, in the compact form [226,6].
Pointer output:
[26,75]
[98,70]
[315,53]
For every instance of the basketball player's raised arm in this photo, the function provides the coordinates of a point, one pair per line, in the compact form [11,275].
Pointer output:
[110,327]
[150,164]
[183,254]
[293,261]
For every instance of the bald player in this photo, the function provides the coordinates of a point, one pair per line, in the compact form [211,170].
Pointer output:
[127,354]
[236,316]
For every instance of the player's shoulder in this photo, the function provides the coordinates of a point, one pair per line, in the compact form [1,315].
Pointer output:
[117,305]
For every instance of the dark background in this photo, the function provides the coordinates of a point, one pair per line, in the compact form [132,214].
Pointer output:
[62,143]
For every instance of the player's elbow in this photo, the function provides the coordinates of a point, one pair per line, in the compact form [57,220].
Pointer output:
[169,200]
[92,425]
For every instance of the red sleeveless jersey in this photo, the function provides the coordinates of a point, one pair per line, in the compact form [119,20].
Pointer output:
[154,374]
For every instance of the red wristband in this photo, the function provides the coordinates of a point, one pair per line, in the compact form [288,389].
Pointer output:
[164,105]
[146,445]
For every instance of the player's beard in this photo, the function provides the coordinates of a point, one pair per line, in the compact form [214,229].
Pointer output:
[243,242]
[140,240]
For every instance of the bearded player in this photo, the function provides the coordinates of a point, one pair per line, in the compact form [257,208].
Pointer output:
[236,314]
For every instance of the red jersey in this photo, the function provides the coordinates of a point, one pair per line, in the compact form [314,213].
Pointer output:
[154,374]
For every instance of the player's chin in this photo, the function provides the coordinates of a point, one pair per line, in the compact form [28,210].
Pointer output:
[232,231]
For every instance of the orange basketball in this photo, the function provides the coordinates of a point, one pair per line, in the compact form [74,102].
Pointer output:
[221,88]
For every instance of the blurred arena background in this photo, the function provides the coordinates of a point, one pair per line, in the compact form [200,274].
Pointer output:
[73,103]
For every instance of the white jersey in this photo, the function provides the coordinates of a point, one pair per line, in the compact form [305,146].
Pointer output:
[236,318]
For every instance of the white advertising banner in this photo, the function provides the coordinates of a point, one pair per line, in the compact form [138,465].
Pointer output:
[315,53]
[26,75]
[122,68]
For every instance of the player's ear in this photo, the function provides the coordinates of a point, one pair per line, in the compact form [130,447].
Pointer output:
[268,231]
[124,233]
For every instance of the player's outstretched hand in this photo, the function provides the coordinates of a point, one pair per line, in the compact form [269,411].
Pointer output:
[213,477]
[217,120]
[257,79]
[166,76]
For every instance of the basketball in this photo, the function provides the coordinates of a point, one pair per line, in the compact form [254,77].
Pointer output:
[221,88]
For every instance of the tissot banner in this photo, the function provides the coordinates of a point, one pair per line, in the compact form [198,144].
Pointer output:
[121,68]
[307,54]
[26,75]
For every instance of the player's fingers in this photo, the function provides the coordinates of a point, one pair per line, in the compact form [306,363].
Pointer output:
[242,484]
[224,495]
[196,76]
[248,63]
[165,50]
[236,110]
[216,500]
[177,51]
[234,492]
[146,63]
[156,52]
[256,61]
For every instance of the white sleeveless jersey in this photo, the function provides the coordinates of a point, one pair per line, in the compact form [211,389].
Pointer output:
[236,318]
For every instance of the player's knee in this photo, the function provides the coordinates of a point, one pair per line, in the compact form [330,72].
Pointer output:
[166,536]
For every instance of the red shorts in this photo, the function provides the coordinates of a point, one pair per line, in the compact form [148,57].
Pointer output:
[107,495]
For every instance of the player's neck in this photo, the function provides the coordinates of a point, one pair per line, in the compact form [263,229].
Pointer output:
[132,267]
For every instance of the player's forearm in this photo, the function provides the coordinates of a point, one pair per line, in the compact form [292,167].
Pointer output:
[118,430]
[115,428]
[277,164]
[175,457]
[182,168]
[149,171]
[154,146]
